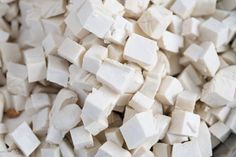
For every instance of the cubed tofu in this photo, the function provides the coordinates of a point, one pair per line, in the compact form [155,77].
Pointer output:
[183,8]
[220,131]
[186,101]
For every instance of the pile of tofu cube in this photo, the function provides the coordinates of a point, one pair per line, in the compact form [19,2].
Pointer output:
[116,78]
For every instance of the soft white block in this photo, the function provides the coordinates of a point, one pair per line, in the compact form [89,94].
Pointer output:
[135,8]
[41,122]
[230,121]
[81,138]
[40,100]
[115,75]
[18,102]
[143,123]
[171,42]
[169,89]
[221,113]
[155,20]
[95,18]
[57,71]
[220,131]
[162,150]
[66,149]
[67,118]
[183,8]
[140,102]
[162,124]
[115,52]
[142,152]
[176,25]
[114,6]
[71,51]
[151,86]
[51,42]
[204,7]
[25,139]
[114,135]
[172,138]
[93,58]
[110,149]
[141,50]
[184,123]
[54,136]
[186,101]
[50,152]
[91,40]
[213,30]
[190,149]
[190,28]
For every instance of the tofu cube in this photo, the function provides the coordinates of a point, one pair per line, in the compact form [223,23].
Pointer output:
[50,152]
[51,43]
[169,89]
[40,100]
[135,51]
[213,30]
[186,101]
[189,148]
[204,8]
[41,122]
[221,113]
[36,64]
[114,6]
[176,25]
[115,75]
[95,18]
[231,120]
[25,139]
[171,42]
[114,135]
[172,139]
[81,138]
[110,149]
[162,150]
[155,20]
[71,51]
[140,102]
[141,152]
[184,123]
[57,71]
[134,8]
[162,124]
[183,8]
[143,123]
[93,58]
[190,28]
[220,131]
[151,86]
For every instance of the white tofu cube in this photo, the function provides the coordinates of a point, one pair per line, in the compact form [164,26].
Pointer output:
[140,102]
[204,8]
[171,42]
[111,149]
[141,50]
[25,139]
[230,121]
[221,113]
[91,40]
[51,43]
[114,135]
[142,152]
[93,58]
[18,102]
[17,79]
[95,18]
[54,136]
[162,150]
[134,8]
[190,149]
[57,71]
[66,149]
[172,139]
[162,123]
[81,138]
[150,86]
[40,100]
[71,51]
[143,123]
[213,30]
[220,131]
[184,123]
[115,52]
[176,25]
[50,152]
[53,25]
[155,21]
[41,122]
[169,89]
[115,75]
[183,8]
[186,101]
[114,6]
[190,28]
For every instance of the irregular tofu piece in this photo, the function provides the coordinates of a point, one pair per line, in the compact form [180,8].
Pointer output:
[119,31]
[221,113]
[99,103]
[114,6]
[140,102]
[114,135]
[190,28]
[213,30]
[150,86]
[140,152]
[41,122]
[50,152]
[145,56]
[51,43]
[190,149]
[115,75]
[110,149]
[54,136]
[67,118]
[204,140]
[93,58]
[95,18]
[162,150]
[204,58]
[183,8]
[71,51]
[18,102]
[17,79]
[155,21]
[204,7]
[40,100]
[57,71]
[53,25]
[184,123]
[20,134]
[220,131]
[172,139]
[162,124]
[186,101]
[171,42]
[122,102]
[169,89]
[66,149]
[143,123]
[115,52]
[81,138]
[134,8]
[231,120]
[90,40]
[176,25]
